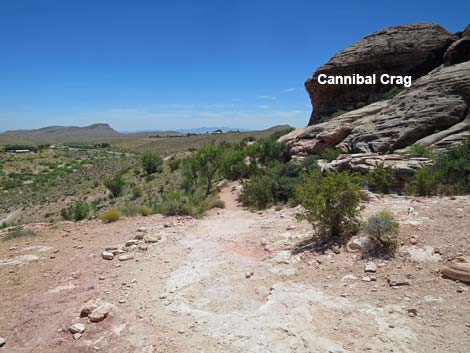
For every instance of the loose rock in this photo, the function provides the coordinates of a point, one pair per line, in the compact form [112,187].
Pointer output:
[100,313]
[398,280]
[77,328]
[125,257]
[107,255]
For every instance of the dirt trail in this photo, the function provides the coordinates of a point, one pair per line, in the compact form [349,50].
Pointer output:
[229,283]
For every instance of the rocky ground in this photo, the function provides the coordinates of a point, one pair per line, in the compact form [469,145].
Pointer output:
[230,283]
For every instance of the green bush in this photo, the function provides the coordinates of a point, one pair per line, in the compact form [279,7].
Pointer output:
[19,233]
[152,163]
[115,185]
[78,211]
[111,215]
[267,150]
[392,92]
[175,203]
[216,203]
[330,154]
[136,192]
[332,204]
[419,150]
[174,164]
[453,169]
[233,163]
[382,231]
[144,210]
[425,183]
[256,193]
[380,179]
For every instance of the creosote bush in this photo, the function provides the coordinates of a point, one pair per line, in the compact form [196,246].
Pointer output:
[151,163]
[115,185]
[419,150]
[78,211]
[382,231]
[144,210]
[332,205]
[111,215]
[19,233]
[380,179]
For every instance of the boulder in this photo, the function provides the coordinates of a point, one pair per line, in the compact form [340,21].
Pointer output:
[77,328]
[107,255]
[402,168]
[458,52]
[457,271]
[398,280]
[434,111]
[101,312]
[413,49]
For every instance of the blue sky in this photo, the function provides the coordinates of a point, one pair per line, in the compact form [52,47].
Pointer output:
[180,64]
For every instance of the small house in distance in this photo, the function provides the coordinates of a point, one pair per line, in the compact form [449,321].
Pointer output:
[216,132]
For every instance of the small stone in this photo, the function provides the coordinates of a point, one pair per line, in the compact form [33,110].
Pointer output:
[167,225]
[143,247]
[398,280]
[107,255]
[76,336]
[366,279]
[122,301]
[139,236]
[125,257]
[249,274]
[77,328]
[100,312]
[2,341]
[87,309]
[413,241]
[152,239]
[370,267]
[131,242]
[412,312]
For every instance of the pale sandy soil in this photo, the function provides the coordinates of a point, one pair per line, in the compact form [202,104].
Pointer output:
[190,292]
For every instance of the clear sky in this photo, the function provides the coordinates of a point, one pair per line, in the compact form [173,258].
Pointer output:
[171,64]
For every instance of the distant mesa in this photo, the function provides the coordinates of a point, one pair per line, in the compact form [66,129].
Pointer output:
[60,132]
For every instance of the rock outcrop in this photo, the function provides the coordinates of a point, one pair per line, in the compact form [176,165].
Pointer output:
[413,50]
[434,111]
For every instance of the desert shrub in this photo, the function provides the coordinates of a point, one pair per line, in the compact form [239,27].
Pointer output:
[233,163]
[311,162]
[174,164]
[19,233]
[267,150]
[115,185]
[453,169]
[175,203]
[425,183]
[380,179]
[151,163]
[419,150]
[216,203]
[136,192]
[111,215]
[276,135]
[332,204]
[382,229]
[76,212]
[330,154]
[283,180]
[144,210]
[256,193]
[392,92]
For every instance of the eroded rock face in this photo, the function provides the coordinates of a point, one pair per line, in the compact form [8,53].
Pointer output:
[414,50]
[403,168]
[434,111]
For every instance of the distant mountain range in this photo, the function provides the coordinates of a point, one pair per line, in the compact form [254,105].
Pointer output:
[53,134]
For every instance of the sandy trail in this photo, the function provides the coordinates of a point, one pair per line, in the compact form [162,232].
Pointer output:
[227,283]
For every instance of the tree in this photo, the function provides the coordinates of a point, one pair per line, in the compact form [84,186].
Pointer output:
[332,203]
[152,163]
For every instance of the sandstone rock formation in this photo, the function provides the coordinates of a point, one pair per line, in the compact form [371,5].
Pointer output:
[412,50]
[434,111]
